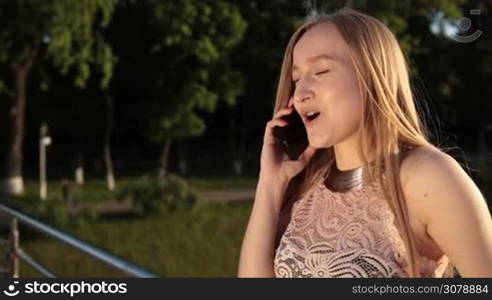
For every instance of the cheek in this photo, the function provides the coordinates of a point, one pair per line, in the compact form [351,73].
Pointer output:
[347,85]
[347,109]
[350,104]
[355,113]
[356,107]
[345,117]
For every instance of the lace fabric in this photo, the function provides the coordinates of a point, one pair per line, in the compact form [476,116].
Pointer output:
[345,234]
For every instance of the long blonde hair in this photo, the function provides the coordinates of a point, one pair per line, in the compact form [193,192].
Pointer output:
[390,122]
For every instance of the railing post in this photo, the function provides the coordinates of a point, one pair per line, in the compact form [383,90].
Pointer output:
[14,246]
[15,253]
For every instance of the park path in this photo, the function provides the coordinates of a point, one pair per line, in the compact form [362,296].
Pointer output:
[235,195]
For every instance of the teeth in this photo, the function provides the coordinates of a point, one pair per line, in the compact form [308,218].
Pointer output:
[311,113]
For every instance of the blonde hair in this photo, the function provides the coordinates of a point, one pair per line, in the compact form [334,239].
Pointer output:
[390,121]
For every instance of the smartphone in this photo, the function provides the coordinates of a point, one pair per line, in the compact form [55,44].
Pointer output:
[292,137]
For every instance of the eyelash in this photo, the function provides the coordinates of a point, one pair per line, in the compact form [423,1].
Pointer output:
[318,73]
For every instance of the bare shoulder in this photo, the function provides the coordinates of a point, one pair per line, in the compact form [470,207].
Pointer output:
[451,207]
[435,181]
[424,161]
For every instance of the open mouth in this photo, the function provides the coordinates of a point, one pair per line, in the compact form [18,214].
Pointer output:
[312,116]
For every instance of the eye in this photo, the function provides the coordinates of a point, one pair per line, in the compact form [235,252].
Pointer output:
[322,72]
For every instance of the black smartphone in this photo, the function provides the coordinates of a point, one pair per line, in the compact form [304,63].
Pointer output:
[292,137]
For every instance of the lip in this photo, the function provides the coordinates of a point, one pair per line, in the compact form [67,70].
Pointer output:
[308,123]
[304,111]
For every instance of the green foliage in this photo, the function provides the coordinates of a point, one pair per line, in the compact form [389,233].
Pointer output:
[194,40]
[66,33]
[75,43]
[149,197]
[400,16]
[53,210]
[229,83]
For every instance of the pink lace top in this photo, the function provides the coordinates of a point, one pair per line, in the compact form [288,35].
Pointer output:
[345,234]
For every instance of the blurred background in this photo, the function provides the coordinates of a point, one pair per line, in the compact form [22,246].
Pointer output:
[143,120]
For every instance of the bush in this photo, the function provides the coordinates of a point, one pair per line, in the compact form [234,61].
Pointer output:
[54,210]
[148,196]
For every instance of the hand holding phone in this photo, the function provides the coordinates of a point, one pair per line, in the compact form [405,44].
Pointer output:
[293,137]
[292,140]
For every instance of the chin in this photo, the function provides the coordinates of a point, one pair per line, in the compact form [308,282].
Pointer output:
[318,144]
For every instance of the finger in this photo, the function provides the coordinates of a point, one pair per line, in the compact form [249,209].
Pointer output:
[269,137]
[276,122]
[284,112]
[308,154]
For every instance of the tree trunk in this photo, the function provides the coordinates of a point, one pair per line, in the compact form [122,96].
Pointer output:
[237,164]
[243,132]
[108,162]
[43,183]
[238,133]
[182,155]
[161,176]
[13,182]
[79,170]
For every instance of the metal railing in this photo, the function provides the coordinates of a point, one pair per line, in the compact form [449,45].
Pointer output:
[15,252]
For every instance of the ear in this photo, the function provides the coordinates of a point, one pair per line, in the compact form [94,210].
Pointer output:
[291,102]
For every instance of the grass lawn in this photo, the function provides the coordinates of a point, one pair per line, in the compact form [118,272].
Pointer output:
[203,242]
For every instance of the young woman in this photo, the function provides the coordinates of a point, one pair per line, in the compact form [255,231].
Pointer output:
[370,196]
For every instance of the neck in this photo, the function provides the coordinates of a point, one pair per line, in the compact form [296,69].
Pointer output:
[346,155]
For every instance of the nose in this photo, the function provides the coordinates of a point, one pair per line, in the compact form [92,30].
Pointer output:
[302,94]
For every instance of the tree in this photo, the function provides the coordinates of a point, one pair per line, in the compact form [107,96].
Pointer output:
[178,55]
[63,32]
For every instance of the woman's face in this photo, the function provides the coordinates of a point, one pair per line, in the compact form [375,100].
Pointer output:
[326,83]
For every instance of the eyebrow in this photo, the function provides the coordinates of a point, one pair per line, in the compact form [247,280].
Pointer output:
[315,58]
